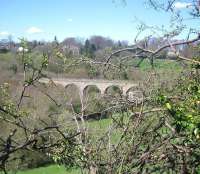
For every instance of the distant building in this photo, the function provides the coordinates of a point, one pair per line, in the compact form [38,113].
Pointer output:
[4,47]
[74,50]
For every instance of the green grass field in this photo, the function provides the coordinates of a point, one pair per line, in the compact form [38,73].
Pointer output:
[159,64]
[53,169]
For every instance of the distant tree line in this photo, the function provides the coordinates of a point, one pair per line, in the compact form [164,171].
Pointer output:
[95,44]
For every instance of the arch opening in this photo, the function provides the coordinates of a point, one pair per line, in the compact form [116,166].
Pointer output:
[134,94]
[92,96]
[113,91]
[72,98]
[91,91]
[72,92]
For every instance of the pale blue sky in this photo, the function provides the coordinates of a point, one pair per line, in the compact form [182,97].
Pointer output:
[43,19]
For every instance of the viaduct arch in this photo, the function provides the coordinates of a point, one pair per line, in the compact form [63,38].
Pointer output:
[101,85]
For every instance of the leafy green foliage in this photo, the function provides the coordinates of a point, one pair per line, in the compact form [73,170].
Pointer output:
[92,71]
[183,104]
[6,103]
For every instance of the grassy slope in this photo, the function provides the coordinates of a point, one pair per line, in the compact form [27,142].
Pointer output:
[53,169]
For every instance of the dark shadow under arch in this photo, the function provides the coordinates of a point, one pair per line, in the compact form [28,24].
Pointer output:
[113,90]
[91,89]
[72,91]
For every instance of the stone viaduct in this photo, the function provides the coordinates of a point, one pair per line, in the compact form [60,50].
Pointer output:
[101,85]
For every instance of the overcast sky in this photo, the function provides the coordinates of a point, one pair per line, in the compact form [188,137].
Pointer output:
[43,19]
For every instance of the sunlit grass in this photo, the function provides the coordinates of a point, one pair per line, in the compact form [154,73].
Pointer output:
[159,64]
[53,169]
